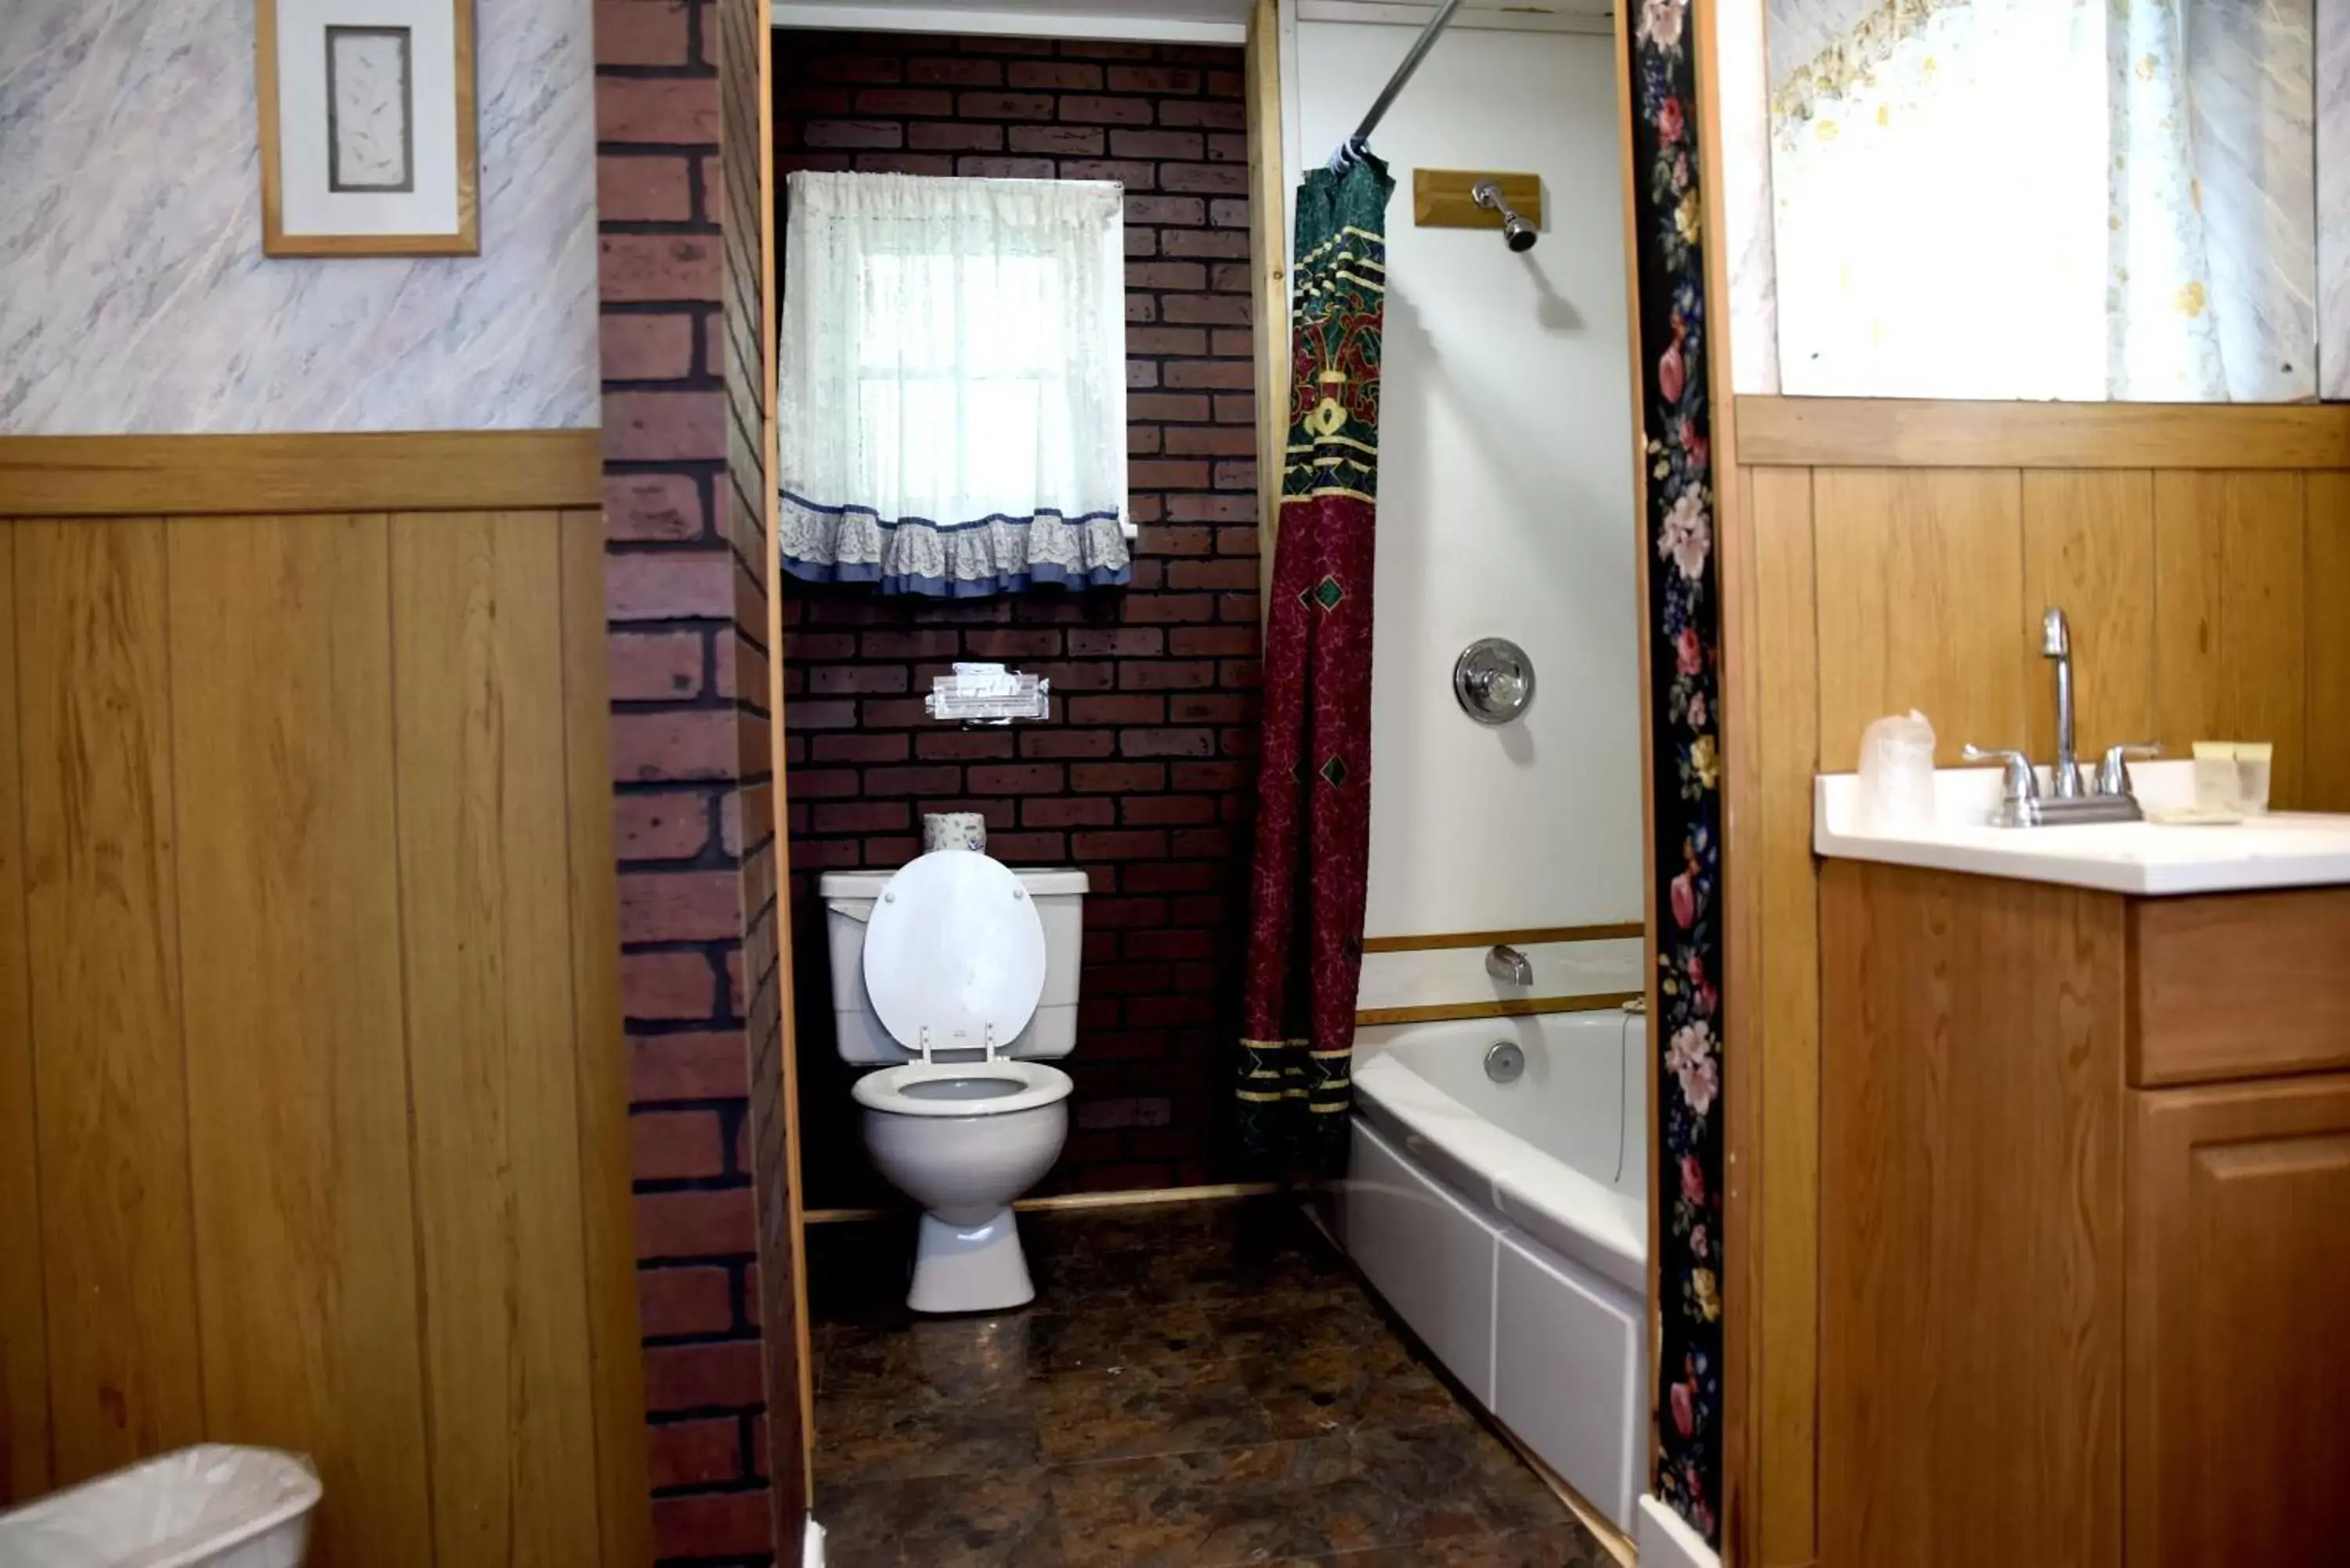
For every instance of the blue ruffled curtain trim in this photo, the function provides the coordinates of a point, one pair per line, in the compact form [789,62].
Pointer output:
[993,555]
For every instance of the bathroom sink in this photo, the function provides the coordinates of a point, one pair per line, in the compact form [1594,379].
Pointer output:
[2280,849]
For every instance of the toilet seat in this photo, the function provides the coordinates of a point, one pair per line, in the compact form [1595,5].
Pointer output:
[954,956]
[936,1088]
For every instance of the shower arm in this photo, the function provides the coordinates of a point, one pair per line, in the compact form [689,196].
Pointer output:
[1520,233]
[1352,150]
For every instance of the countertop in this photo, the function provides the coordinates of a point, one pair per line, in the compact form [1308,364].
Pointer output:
[2144,859]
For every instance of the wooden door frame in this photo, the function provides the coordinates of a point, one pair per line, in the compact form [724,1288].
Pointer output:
[1741,1460]
[1266,67]
[1635,389]
[787,1034]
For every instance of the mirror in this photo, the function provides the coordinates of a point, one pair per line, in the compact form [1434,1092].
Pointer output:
[2087,200]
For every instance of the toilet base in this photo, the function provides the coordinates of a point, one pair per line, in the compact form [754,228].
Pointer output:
[970,1268]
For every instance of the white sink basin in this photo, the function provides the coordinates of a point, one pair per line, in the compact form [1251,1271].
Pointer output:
[2144,858]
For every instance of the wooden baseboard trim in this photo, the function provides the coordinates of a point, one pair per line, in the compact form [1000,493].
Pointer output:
[1147,1197]
[1614,1542]
[1904,433]
[1531,935]
[1124,1197]
[1513,1007]
[263,475]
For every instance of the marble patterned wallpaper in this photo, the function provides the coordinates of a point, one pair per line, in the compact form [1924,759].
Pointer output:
[2333,200]
[134,297]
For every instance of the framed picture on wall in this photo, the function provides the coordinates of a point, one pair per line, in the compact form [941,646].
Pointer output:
[368,128]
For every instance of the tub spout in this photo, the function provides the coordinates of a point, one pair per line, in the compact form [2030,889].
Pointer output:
[1506,962]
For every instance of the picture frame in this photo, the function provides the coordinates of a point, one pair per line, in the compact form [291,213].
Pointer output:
[368,127]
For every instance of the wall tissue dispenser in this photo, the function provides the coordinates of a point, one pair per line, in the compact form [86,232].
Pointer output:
[988,694]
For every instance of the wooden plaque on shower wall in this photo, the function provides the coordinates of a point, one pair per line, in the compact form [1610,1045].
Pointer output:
[1441,198]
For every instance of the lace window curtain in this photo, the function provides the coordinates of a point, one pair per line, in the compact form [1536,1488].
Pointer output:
[952,407]
[1999,199]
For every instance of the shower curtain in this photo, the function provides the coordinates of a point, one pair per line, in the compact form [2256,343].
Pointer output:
[1313,772]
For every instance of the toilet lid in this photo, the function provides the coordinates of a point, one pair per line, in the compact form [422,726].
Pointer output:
[955,947]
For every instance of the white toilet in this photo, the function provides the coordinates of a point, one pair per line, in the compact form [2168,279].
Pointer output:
[963,972]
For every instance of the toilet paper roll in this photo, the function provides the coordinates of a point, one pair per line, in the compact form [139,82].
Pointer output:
[953,830]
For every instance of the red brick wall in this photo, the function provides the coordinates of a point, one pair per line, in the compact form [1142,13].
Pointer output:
[678,163]
[1143,777]
[744,509]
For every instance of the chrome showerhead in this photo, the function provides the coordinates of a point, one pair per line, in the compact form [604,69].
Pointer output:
[1515,230]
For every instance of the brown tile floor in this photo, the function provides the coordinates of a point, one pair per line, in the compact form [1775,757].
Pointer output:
[1195,1385]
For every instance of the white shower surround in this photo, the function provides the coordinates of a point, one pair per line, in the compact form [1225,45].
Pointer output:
[1506,487]
[1507,1224]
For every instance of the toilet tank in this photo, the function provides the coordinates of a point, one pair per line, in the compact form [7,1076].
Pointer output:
[1059,894]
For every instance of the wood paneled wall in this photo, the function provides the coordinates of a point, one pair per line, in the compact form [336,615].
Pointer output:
[2200,602]
[311,1092]
[1898,555]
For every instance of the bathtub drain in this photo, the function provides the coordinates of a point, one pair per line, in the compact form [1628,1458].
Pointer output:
[1505,1062]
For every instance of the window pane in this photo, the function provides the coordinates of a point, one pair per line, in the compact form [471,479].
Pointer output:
[1000,441]
[1014,323]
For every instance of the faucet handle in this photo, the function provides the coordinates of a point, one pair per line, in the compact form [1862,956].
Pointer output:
[2019,769]
[2113,773]
[2022,783]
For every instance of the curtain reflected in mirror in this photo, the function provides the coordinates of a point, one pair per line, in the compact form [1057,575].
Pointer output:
[2087,200]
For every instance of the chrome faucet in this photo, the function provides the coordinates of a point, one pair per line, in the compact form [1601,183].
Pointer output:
[1506,962]
[2107,797]
[2057,643]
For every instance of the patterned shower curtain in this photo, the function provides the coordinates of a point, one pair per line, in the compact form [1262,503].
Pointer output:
[1314,777]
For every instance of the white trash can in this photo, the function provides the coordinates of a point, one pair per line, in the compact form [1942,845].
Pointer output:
[212,1506]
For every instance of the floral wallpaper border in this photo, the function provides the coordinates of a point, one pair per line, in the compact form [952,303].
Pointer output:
[1684,662]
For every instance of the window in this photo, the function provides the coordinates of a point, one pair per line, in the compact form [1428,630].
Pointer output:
[952,407]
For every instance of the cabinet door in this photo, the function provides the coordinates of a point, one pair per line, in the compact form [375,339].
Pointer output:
[2239,1368]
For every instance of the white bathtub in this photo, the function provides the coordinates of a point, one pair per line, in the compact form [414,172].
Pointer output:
[1507,1224]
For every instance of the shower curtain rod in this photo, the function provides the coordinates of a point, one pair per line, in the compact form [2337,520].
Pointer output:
[1354,146]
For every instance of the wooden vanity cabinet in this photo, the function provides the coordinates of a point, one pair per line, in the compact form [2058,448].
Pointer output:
[2236,1323]
[2085,1239]
[2238,985]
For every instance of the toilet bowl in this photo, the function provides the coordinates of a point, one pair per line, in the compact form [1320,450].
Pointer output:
[964,1139]
[960,971]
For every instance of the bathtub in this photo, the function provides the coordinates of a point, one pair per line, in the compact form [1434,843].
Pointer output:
[1507,1224]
